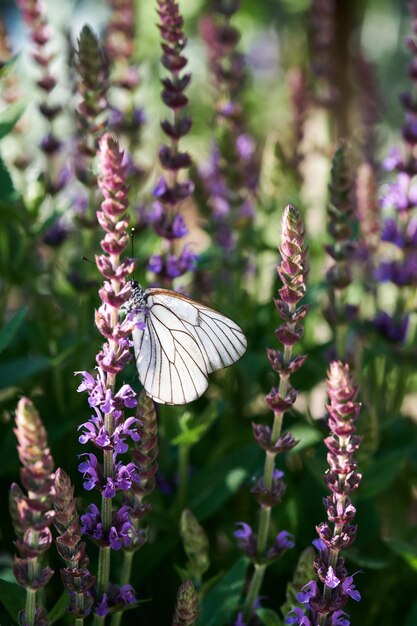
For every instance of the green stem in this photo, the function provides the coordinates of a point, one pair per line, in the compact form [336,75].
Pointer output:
[265,513]
[30,606]
[103,577]
[183,461]
[103,574]
[124,580]
[79,621]
[254,589]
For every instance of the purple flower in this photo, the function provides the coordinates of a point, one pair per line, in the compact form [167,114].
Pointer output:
[392,329]
[156,264]
[239,621]
[103,607]
[349,589]
[89,469]
[121,534]
[57,233]
[339,618]
[401,194]
[310,590]
[391,232]
[297,617]
[246,539]
[393,160]
[126,594]
[331,580]
[179,228]
[245,146]
[283,541]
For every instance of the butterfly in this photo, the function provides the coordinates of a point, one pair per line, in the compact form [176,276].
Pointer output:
[178,342]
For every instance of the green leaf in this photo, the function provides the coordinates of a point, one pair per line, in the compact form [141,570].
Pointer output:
[192,428]
[304,572]
[7,190]
[213,486]
[58,610]
[268,617]
[222,600]
[7,66]
[411,619]
[17,370]
[307,436]
[10,116]
[190,437]
[13,597]
[383,471]
[8,332]
[404,550]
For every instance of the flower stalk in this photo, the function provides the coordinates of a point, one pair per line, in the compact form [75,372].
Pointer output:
[270,487]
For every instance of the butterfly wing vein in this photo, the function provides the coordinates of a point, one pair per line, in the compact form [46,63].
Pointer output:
[183,341]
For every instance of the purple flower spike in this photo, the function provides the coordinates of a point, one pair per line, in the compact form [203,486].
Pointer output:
[75,576]
[339,532]
[399,264]
[108,428]
[164,216]
[32,514]
[230,179]
[35,17]
[270,488]
[186,608]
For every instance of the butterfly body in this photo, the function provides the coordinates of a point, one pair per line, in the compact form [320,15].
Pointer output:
[178,342]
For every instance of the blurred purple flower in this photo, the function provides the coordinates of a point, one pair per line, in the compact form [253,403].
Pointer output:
[392,328]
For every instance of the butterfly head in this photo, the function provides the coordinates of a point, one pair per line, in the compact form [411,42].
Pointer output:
[135,302]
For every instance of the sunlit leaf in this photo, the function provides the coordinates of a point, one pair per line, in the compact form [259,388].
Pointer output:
[10,116]
[405,550]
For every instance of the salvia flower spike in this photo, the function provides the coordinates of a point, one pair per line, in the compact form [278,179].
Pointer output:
[108,428]
[32,514]
[186,608]
[35,17]
[341,249]
[231,176]
[92,86]
[323,604]
[170,191]
[75,576]
[270,488]
[399,229]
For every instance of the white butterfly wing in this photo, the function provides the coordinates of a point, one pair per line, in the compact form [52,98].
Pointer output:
[221,341]
[183,342]
[170,364]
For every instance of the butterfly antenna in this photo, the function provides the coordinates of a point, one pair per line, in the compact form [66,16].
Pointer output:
[84,258]
[132,235]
